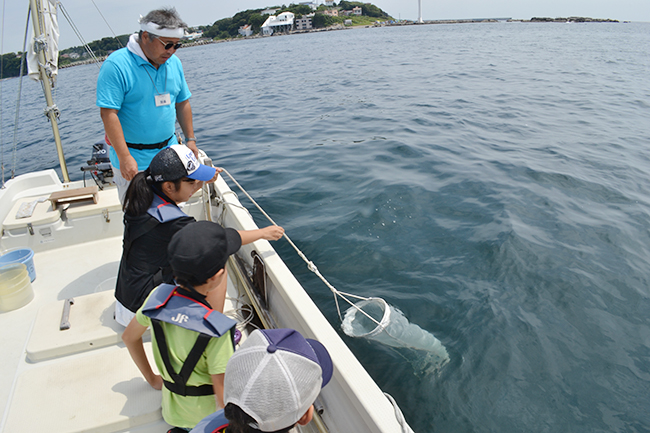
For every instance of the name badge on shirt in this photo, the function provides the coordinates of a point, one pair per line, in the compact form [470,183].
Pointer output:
[162,100]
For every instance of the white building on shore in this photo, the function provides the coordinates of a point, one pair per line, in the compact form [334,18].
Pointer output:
[312,4]
[246,30]
[282,22]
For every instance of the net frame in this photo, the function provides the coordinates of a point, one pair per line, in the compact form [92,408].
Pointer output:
[381,325]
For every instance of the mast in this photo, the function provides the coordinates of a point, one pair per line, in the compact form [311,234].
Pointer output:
[420,11]
[51,111]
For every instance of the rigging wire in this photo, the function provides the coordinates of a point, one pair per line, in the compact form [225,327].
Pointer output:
[20,89]
[107,24]
[78,33]
[17,118]
[2,68]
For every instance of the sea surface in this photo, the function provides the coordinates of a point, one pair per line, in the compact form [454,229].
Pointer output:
[491,181]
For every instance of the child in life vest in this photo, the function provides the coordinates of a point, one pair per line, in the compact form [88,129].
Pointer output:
[152,216]
[192,342]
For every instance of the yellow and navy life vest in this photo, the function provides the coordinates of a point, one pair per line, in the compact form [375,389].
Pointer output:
[180,308]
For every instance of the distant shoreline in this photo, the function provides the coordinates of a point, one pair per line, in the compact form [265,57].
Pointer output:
[383,24]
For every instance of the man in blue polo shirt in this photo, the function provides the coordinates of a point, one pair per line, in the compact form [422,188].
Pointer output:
[141,91]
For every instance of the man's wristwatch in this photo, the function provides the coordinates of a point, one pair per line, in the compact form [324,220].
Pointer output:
[190,139]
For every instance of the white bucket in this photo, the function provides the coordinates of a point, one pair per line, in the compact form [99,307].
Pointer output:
[15,287]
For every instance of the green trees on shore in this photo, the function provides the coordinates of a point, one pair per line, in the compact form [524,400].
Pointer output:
[10,65]
[368,9]
[227,28]
[101,47]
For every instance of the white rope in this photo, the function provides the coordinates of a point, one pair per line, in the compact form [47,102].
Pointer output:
[398,414]
[243,313]
[310,265]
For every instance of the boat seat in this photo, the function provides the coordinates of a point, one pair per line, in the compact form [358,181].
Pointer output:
[107,199]
[42,213]
[101,391]
[91,326]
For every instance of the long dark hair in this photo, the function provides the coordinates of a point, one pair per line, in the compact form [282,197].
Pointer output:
[239,421]
[139,194]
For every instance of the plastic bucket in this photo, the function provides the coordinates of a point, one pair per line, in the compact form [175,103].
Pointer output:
[15,287]
[22,255]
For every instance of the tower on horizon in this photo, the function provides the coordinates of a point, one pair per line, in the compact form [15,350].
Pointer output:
[420,11]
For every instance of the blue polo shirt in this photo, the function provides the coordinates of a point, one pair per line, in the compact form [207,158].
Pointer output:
[128,83]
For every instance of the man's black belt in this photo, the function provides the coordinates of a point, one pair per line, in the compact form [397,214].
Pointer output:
[148,146]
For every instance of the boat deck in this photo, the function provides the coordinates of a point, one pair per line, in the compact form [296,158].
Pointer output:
[48,362]
[91,383]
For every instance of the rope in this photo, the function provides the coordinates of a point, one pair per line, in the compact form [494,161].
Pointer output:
[243,313]
[398,414]
[310,265]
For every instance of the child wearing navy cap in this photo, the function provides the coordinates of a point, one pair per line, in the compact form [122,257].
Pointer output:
[191,341]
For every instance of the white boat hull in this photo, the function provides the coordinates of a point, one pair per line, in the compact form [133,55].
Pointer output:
[82,379]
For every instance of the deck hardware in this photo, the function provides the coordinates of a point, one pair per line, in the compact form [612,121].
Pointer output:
[65,317]
[318,406]
[259,277]
[237,268]
[106,215]
[212,190]
[30,227]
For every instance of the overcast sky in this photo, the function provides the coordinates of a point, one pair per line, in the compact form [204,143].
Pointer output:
[123,15]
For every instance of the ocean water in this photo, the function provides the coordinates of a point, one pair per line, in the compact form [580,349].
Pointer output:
[491,181]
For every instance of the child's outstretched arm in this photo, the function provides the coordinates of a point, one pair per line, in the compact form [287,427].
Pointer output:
[132,337]
[270,233]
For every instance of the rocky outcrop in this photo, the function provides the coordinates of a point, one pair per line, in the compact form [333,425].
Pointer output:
[571,19]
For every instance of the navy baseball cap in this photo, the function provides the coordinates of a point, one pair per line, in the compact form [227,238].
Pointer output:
[201,249]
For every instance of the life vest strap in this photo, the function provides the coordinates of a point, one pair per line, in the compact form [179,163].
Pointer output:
[179,384]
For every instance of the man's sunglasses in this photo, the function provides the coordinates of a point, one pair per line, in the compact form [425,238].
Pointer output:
[169,45]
